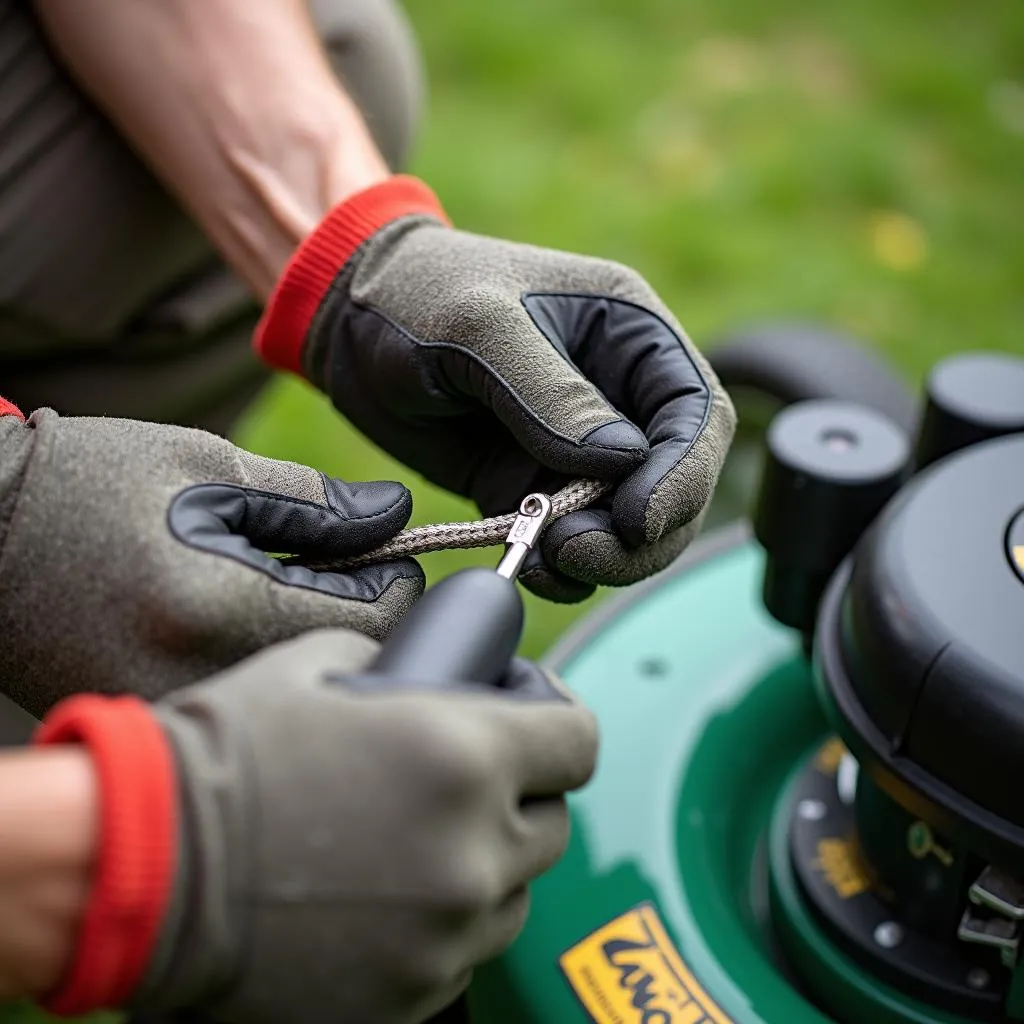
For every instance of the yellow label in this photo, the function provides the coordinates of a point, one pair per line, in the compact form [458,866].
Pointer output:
[829,756]
[628,972]
[838,862]
[1018,556]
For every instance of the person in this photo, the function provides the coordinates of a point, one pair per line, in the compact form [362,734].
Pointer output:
[203,822]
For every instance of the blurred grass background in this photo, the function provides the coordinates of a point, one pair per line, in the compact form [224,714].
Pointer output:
[857,164]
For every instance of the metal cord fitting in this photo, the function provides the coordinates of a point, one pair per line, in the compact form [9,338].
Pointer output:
[419,540]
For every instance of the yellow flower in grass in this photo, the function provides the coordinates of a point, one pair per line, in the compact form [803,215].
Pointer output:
[898,242]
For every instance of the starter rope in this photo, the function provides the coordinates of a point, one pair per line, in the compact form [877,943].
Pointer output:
[419,540]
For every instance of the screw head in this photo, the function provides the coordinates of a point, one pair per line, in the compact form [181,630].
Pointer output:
[888,935]
[654,667]
[811,810]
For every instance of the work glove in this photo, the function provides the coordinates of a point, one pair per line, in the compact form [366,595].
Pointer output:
[313,845]
[496,369]
[132,556]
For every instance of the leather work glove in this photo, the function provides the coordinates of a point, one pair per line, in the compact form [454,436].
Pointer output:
[132,556]
[496,369]
[344,850]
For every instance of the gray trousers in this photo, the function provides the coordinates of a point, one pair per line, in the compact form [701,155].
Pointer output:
[111,299]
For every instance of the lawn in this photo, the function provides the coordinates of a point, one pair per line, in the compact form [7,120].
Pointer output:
[857,164]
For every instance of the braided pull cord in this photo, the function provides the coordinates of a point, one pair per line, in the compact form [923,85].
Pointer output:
[481,534]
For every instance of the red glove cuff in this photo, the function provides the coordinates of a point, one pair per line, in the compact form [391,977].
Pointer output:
[316,263]
[10,409]
[137,856]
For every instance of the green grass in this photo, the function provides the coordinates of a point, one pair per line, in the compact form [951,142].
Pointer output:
[858,164]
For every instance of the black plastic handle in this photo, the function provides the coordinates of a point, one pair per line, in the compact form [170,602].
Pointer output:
[464,629]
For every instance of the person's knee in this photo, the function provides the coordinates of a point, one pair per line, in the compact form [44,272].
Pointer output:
[373,51]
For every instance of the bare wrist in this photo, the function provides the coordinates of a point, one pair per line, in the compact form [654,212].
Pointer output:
[235,106]
[326,163]
[355,162]
[49,818]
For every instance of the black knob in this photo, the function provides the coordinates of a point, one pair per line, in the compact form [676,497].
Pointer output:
[970,398]
[830,468]
[466,628]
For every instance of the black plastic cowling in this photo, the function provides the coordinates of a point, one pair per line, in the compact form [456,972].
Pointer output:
[920,648]
[829,469]
[970,398]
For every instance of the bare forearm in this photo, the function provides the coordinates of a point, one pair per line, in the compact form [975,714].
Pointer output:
[235,107]
[48,826]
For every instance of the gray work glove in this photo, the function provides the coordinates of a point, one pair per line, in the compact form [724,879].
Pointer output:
[353,847]
[495,369]
[132,556]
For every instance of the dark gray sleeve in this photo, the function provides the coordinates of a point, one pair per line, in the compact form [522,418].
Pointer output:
[15,448]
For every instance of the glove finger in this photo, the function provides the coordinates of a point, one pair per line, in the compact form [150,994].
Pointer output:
[527,378]
[547,582]
[279,476]
[548,748]
[497,930]
[353,517]
[541,575]
[676,483]
[585,546]
[365,584]
[355,501]
[541,836]
[690,422]
[644,363]
[638,358]
[372,511]
[225,520]
[371,599]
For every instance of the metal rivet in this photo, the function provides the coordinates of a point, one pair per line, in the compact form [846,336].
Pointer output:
[811,810]
[888,935]
[531,505]
[978,977]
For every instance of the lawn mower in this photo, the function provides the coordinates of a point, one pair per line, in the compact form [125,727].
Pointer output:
[809,804]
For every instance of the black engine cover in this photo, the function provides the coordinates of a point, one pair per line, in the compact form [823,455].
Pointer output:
[920,646]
